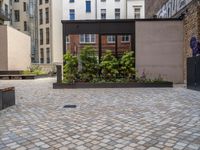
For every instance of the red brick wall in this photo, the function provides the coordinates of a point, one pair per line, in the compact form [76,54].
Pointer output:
[191,28]
[75,47]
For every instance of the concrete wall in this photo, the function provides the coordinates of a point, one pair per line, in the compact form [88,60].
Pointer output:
[16,49]
[3,48]
[56,32]
[159,49]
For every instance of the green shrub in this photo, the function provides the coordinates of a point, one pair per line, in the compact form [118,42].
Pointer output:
[89,64]
[34,70]
[70,68]
[127,68]
[109,66]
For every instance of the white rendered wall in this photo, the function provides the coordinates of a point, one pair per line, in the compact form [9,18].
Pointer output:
[135,3]
[126,9]
[56,31]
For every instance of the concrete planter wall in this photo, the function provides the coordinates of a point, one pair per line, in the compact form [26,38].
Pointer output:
[7,97]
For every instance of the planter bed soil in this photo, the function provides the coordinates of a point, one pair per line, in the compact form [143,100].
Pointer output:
[112,85]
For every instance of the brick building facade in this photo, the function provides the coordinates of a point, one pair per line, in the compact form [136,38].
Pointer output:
[75,45]
[191,21]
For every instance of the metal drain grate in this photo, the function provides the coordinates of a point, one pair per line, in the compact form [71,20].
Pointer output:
[70,106]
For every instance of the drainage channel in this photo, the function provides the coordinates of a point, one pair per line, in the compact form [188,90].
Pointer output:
[70,106]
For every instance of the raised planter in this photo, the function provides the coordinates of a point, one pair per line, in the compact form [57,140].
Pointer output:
[7,97]
[112,85]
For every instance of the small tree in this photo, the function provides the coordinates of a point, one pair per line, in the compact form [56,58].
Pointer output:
[89,63]
[70,68]
[109,66]
[127,69]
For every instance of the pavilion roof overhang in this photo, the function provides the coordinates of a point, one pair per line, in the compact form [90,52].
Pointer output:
[104,27]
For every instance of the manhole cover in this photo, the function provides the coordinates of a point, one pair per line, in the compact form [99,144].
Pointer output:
[70,106]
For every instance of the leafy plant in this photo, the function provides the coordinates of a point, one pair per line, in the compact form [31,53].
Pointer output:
[143,79]
[70,68]
[89,63]
[34,70]
[109,66]
[127,69]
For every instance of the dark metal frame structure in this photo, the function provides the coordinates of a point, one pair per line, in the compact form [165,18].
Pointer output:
[100,27]
[104,27]
[193,73]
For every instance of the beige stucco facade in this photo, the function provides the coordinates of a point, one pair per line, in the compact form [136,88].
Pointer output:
[14,49]
[55,32]
[159,50]
[23,15]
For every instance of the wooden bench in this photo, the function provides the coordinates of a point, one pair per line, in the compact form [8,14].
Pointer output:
[17,77]
[7,97]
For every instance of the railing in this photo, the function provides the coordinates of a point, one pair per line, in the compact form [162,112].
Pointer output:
[4,15]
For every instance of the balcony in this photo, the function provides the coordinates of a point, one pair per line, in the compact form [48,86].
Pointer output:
[4,15]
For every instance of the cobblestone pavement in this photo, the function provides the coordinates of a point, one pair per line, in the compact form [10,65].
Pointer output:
[105,119]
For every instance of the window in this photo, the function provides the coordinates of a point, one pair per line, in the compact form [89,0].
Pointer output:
[125,38]
[48,55]
[6,9]
[41,55]
[17,16]
[103,0]
[46,1]
[68,39]
[40,14]
[72,14]
[71,1]
[117,13]
[88,6]
[47,35]
[9,2]
[111,39]
[47,15]
[16,1]
[41,36]
[25,26]
[137,12]
[24,5]
[87,38]
[40,2]
[103,13]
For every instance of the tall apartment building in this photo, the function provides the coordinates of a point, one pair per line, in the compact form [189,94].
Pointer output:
[41,19]
[101,9]
[50,31]
[24,19]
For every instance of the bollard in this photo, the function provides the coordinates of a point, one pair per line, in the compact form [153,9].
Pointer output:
[59,73]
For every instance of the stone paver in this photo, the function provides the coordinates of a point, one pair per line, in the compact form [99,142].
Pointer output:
[104,118]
